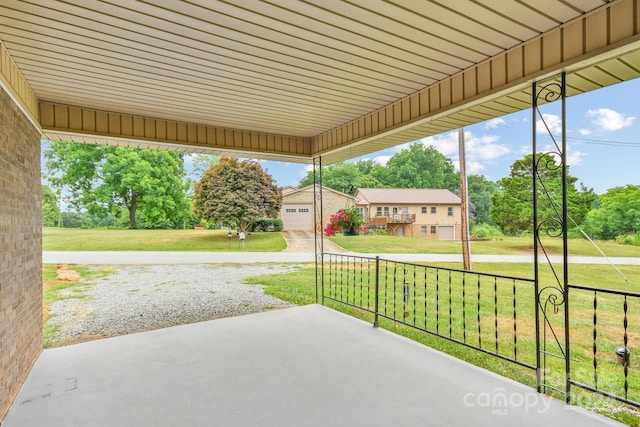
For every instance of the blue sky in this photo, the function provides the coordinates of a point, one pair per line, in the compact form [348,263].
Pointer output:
[603,140]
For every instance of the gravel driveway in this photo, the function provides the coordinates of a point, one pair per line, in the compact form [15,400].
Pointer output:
[141,298]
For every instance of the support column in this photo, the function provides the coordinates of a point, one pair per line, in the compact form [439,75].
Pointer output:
[318,223]
[20,249]
[550,220]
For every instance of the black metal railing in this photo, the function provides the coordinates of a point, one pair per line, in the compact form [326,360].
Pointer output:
[496,314]
[487,312]
[605,329]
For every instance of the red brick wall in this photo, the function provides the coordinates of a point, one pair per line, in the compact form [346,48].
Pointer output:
[20,250]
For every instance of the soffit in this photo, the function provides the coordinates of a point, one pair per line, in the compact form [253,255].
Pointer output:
[281,67]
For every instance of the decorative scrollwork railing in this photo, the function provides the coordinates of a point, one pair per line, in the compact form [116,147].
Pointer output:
[550,220]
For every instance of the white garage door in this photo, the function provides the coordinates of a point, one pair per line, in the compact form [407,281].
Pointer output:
[297,216]
[447,232]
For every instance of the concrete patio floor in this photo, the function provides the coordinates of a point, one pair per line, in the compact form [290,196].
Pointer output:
[303,366]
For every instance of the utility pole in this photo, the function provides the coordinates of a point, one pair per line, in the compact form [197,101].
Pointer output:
[466,241]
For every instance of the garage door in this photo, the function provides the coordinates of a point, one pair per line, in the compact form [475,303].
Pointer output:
[297,216]
[447,232]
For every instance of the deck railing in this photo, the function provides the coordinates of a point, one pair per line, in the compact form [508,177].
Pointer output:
[477,310]
[496,315]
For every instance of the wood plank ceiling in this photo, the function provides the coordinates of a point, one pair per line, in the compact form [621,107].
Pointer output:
[287,68]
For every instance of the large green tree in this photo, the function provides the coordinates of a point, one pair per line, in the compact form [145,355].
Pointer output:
[480,192]
[346,177]
[106,180]
[421,167]
[512,206]
[618,214]
[237,193]
[50,208]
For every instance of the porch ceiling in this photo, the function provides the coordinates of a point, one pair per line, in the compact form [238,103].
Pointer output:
[287,79]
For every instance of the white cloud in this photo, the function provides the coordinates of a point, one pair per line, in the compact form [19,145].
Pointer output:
[484,147]
[189,158]
[610,120]
[474,168]
[446,143]
[574,157]
[480,149]
[381,160]
[553,122]
[585,132]
[305,171]
[494,123]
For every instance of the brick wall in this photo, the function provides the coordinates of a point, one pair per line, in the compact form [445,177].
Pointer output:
[20,250]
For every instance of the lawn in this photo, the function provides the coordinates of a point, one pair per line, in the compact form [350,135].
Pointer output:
[502,246]
[75,239]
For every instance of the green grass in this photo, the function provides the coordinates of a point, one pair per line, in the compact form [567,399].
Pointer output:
[57,290]
[74,239]
[299,288]
[503,246]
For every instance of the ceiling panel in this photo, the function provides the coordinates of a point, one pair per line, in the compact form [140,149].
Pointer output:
[285,67]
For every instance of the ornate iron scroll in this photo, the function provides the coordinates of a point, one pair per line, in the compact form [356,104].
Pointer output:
[317,227]
[550,220]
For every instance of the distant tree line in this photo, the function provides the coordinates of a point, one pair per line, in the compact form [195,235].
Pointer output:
[124,187]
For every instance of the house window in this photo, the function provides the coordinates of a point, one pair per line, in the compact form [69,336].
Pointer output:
[423,229]
[450,211]
[386,211]
[290,210]
[433,209]
[379,211]
[405,210]
[433,229]
[303,210]
[424,209]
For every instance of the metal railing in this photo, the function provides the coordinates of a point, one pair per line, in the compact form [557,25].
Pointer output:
[477,310]
[496,315]
[391,219]
[610,322]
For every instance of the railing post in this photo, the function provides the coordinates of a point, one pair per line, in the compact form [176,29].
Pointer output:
[376,293]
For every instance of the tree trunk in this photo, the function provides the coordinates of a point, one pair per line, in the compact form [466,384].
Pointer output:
[132,210]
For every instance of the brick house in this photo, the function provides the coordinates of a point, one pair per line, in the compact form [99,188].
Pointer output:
[428,213]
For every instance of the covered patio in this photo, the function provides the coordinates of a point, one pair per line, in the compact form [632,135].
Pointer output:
[306,365]
[312,82]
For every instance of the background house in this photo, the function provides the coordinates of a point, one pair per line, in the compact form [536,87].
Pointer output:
[429,213]
[297,206]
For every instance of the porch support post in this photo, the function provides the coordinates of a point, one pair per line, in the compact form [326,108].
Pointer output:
[317,227]
[550,219]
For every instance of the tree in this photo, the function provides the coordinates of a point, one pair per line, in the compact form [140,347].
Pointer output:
[346,177]
[421,167]
[50,208]
[105,180]
[512,206]
[480,192]
[618,214]
[236,193]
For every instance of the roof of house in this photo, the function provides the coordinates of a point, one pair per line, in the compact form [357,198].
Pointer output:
[289,189]
[310,187]
[405,196]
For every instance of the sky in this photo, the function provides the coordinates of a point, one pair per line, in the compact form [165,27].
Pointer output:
[603,141]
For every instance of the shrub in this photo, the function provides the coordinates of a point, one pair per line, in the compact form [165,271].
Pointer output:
[344,220]
[485,231]
[629,239]
[267,224]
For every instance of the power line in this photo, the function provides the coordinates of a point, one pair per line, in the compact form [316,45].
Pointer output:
[605,142]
